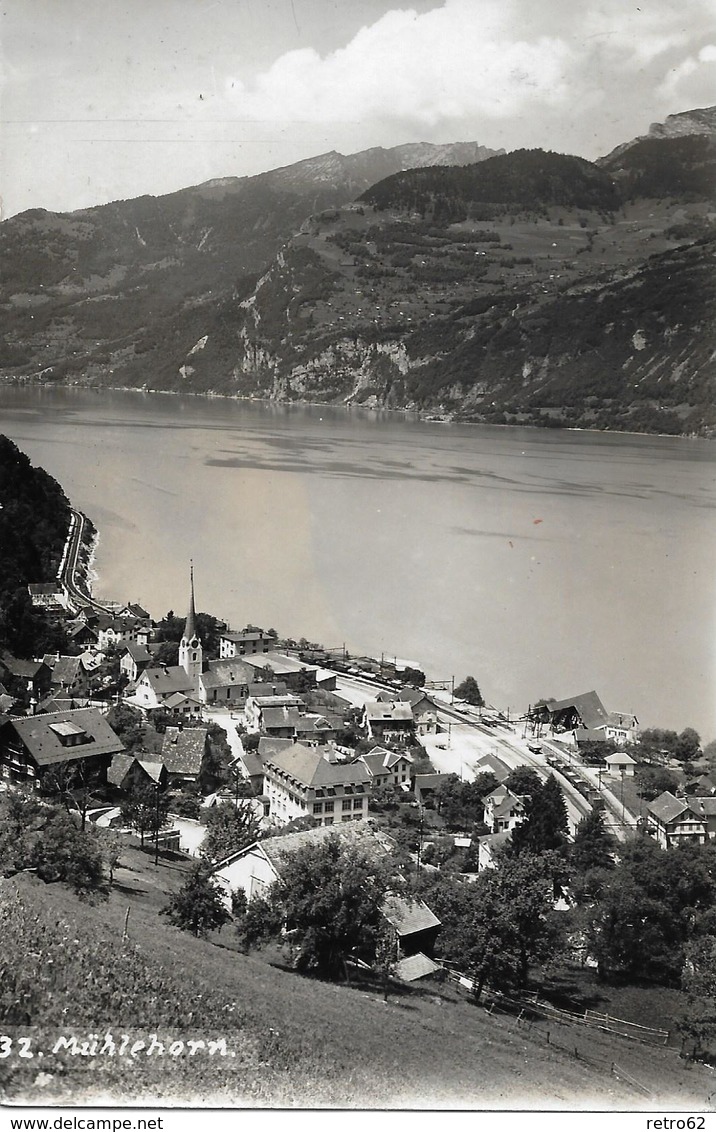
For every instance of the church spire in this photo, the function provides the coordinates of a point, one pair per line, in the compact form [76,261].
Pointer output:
[190,627]
[191,657]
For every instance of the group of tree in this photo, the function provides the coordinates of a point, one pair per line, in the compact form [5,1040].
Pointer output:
[49,841]
[34,522]
[469,691]
[656,743]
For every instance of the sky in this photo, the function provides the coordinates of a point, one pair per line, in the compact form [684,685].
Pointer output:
[110,99]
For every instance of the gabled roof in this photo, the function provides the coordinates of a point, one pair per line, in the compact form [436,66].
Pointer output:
[667,808]
[183,749]
[703,807]
[180,700]
[165,680]
[430,781]
[409,916]
[138,652]
[66,670]
[18,667]
[625,719]
[227,673]
[309,767]
[269,745]
[379,760]
[278,663]
[376,846]
[588,706]
[153,769]
[117,769]
[393,712]
[237,638]
[273,717]
[280,701]
[493,765]
[415,967]
[508,806]
[42,736]
[620,758]
[253,763]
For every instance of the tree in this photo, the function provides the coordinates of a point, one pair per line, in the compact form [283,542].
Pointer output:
[62,852]
[651,781]
[198,906]
[593,846]
[229,828]
[523,781]
[470,691]
[698,980]
[329,897]
[688,745]
[545,825]
[71,783]
[493,928]
[146,810]
[128,723]
[653,903]
[111,844]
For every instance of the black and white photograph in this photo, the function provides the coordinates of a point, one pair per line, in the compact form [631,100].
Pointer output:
[358,559]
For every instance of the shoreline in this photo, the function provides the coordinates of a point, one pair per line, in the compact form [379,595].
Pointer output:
[417,415]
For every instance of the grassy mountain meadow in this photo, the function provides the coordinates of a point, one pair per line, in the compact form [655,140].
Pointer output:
[529,287]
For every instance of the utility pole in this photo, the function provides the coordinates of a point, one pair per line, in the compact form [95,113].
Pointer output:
[420,840]
[452,690]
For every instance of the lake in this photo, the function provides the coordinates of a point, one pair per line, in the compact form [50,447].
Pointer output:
[545,563]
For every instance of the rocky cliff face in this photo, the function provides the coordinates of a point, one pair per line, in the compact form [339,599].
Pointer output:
[120,293]
[542,313]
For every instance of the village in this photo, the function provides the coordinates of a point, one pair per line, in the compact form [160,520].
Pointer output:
[310,738]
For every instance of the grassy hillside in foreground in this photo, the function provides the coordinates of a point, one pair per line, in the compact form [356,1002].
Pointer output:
[296,1041]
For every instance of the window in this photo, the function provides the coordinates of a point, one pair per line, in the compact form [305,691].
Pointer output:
[347,817]
[328,821]
[346,804]
[357,803]
[318,807]
[329,807]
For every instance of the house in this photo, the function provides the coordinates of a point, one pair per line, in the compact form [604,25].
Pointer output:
[226,682]
[620,763]
[127,772]
[133,659]
[156,685]
[51,596]
[426,785]
[392,721]
[264,711]
[387,768]
[299,677]
[672,821]
[25,679]
[183,751]
[113,631]
[255,868]
[81,633]
[35,745]
[489,848]
[583,712]
[425,708]
[415,925]
[704,808]
[67,674]
[490,764]
[182,707]
[703,786]
[503,810]
[315,730]
[245,643]
[300,782]
[622,727]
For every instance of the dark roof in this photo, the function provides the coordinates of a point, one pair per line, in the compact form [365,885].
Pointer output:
[253,763]
[263,700]
[273,717]
[379,760]
[228,635]
[183,749]
[18,667]
[41,735]
[66,670]
[408,916]
[588,706]
[703,807]
[137,651]
[667,808]
[309,767]
[494,765]
[52,588]
[430,781]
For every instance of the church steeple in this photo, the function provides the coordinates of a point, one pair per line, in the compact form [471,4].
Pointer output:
[190,651]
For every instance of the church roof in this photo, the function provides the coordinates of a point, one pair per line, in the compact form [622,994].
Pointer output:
[190,627]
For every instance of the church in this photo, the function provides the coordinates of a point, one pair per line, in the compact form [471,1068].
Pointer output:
[186,686]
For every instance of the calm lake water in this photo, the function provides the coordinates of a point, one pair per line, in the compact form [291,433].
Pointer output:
[544,563]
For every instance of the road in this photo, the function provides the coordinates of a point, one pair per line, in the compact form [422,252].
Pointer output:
[68,571]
